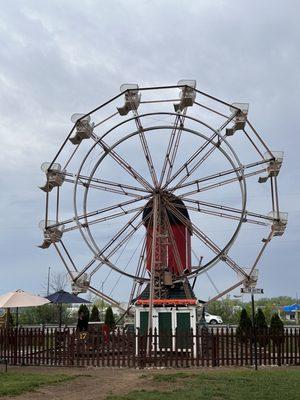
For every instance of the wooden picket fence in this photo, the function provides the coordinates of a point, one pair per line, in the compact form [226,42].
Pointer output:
[120,348]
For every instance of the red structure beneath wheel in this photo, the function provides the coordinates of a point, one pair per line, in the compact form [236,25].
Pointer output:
[177,244]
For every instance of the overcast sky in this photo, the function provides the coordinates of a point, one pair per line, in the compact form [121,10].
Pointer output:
[60,57]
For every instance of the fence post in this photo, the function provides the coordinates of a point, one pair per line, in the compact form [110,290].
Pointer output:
[72,347]
[214,351]
[138,347]
[15,345]
[254,331]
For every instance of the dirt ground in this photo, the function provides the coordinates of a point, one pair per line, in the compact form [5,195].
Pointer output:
[93,383]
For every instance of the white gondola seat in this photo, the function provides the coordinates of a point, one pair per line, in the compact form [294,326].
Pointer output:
[273,166]
[83,128]
[187,95]
[55,176]
[280,222]
[81,284]
[240,118]
[252,279]
[51,234]
[132,98]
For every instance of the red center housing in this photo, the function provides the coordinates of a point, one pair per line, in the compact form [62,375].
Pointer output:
[179,248]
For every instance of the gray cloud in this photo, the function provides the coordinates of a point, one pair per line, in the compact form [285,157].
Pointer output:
[62,57]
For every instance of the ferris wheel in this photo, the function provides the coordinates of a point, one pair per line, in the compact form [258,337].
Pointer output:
[155,189]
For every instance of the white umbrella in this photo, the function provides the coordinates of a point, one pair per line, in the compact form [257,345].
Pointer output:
[19,298]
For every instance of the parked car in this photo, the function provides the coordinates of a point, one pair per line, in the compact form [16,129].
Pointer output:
[213,319]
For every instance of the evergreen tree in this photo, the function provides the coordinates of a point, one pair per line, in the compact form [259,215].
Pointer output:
[95,317]
[109,318]
[83,318]
[261,327]
[276,326]
[86,312]
[276,329]
[260,320]
[244,328]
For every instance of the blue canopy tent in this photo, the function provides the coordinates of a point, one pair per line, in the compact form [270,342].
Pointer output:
[61,297]
[293,308]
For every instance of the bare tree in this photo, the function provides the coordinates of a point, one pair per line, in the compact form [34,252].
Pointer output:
[58,281]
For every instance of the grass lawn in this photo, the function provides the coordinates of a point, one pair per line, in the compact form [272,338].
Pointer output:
[12,383]
[275,384]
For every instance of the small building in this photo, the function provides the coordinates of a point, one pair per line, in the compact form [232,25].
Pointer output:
[176,312]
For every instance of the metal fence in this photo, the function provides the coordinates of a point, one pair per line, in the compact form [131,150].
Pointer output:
[120,348]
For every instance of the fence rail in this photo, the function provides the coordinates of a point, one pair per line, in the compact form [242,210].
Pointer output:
[217,347]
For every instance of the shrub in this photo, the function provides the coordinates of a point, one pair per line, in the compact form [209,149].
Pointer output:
[46,314]
[244,328]
[260,320]
[109,318]
[86,312]
[276,324]
[95,317]
[83,318]
[261,327]
[276,329]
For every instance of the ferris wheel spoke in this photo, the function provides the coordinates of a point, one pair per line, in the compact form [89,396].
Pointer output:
[104,188]
[224,215]
[105,185]
[145,148]
[126,266]
[228,290]
[124,164]
[193,158]
[121,243]
[101,211]
[121,232]
[140,265]
[111,241]
[105,297]
[103,219]
[66,264]
[138,271]
[207,241]
[172,148]
[230,209]
[221,183]
[219,175]
[104,259]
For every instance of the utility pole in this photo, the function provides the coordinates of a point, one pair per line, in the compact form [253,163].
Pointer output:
[253,291]
[102,301]
[254,331]
[48,281]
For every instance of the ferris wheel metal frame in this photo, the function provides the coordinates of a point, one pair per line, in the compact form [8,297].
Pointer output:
[159,187]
